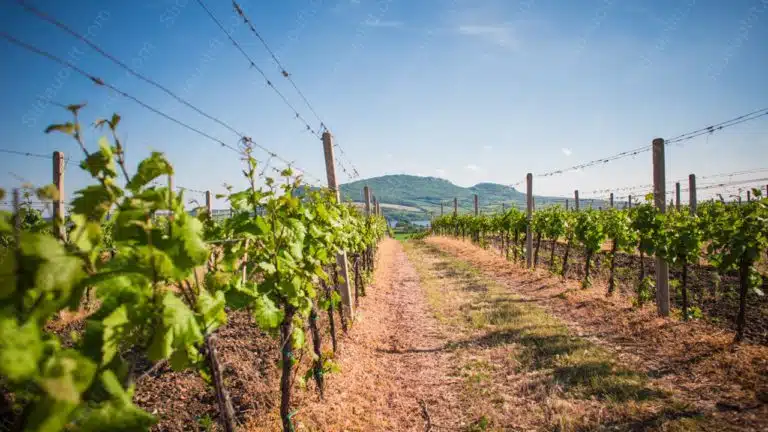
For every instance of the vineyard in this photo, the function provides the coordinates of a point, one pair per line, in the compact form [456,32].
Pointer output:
[182,267]
[717,252]
[153,285]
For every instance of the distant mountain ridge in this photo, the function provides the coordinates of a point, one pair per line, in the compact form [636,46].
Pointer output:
[426,194]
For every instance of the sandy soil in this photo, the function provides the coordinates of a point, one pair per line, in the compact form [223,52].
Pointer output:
[391,365]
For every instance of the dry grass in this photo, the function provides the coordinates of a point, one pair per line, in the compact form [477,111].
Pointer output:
[693,361]
[524,370]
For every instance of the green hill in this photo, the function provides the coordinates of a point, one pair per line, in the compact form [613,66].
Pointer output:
[423,195]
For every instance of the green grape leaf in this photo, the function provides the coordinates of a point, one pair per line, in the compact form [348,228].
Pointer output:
[66,128]
[67,375]
[178,328]
[297,337]
[240,296]
[21,349]
[116,326]
[148,170]
[100,162]
[267,315]
[211,307]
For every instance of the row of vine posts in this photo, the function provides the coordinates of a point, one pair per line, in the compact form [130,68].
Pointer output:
[659,198]
[361,262]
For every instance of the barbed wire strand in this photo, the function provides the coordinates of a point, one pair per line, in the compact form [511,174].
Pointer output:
[679,138]
[287,75]
[253,64]
[54,21]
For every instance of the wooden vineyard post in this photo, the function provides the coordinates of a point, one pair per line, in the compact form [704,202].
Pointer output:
[455,206]
[576,200]
[528,236]
[367,197]
[441,209]
[58,203]
[476,206]
[566,204]
[208,204]
[749,195]
[610,200]
[692,193]
[629,201]
[341,258]
[660,193]
[677,196]
[503,208]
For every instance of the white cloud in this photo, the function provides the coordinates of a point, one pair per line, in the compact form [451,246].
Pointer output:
[472,167]
[567,151]
[440,171]
[487,147]
[497,34]
[379,23]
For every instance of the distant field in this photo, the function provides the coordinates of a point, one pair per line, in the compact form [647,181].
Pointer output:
[394,207]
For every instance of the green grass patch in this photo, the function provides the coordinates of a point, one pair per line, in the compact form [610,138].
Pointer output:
[543,343]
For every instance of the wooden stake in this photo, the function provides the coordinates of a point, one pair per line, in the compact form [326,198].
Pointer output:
[611,200]
[677,196]
[441,209]
[692,193]
[455,206]
[226,411]
[367,198]
[749,196]
[528,236]
[341,258]
[576,199]
[476,206]
[58,203]
[659,191]
[208,204]
[629,201]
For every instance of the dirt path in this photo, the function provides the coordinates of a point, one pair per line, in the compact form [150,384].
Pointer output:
[451,337]
[726,385]
[392,366]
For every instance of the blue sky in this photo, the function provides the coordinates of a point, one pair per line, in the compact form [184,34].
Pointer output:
[471,91]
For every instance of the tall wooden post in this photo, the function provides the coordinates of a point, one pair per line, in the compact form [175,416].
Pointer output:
[692,193]
[576,200]
[677,196]
[208,204]
[455,206]
[749,195]
[611,199]
[503,208]
[441,209]
[660,193]
[341,258]
[477,211]
[528,234]
[367,198]
[629,201]
[566,204]
[58,203]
